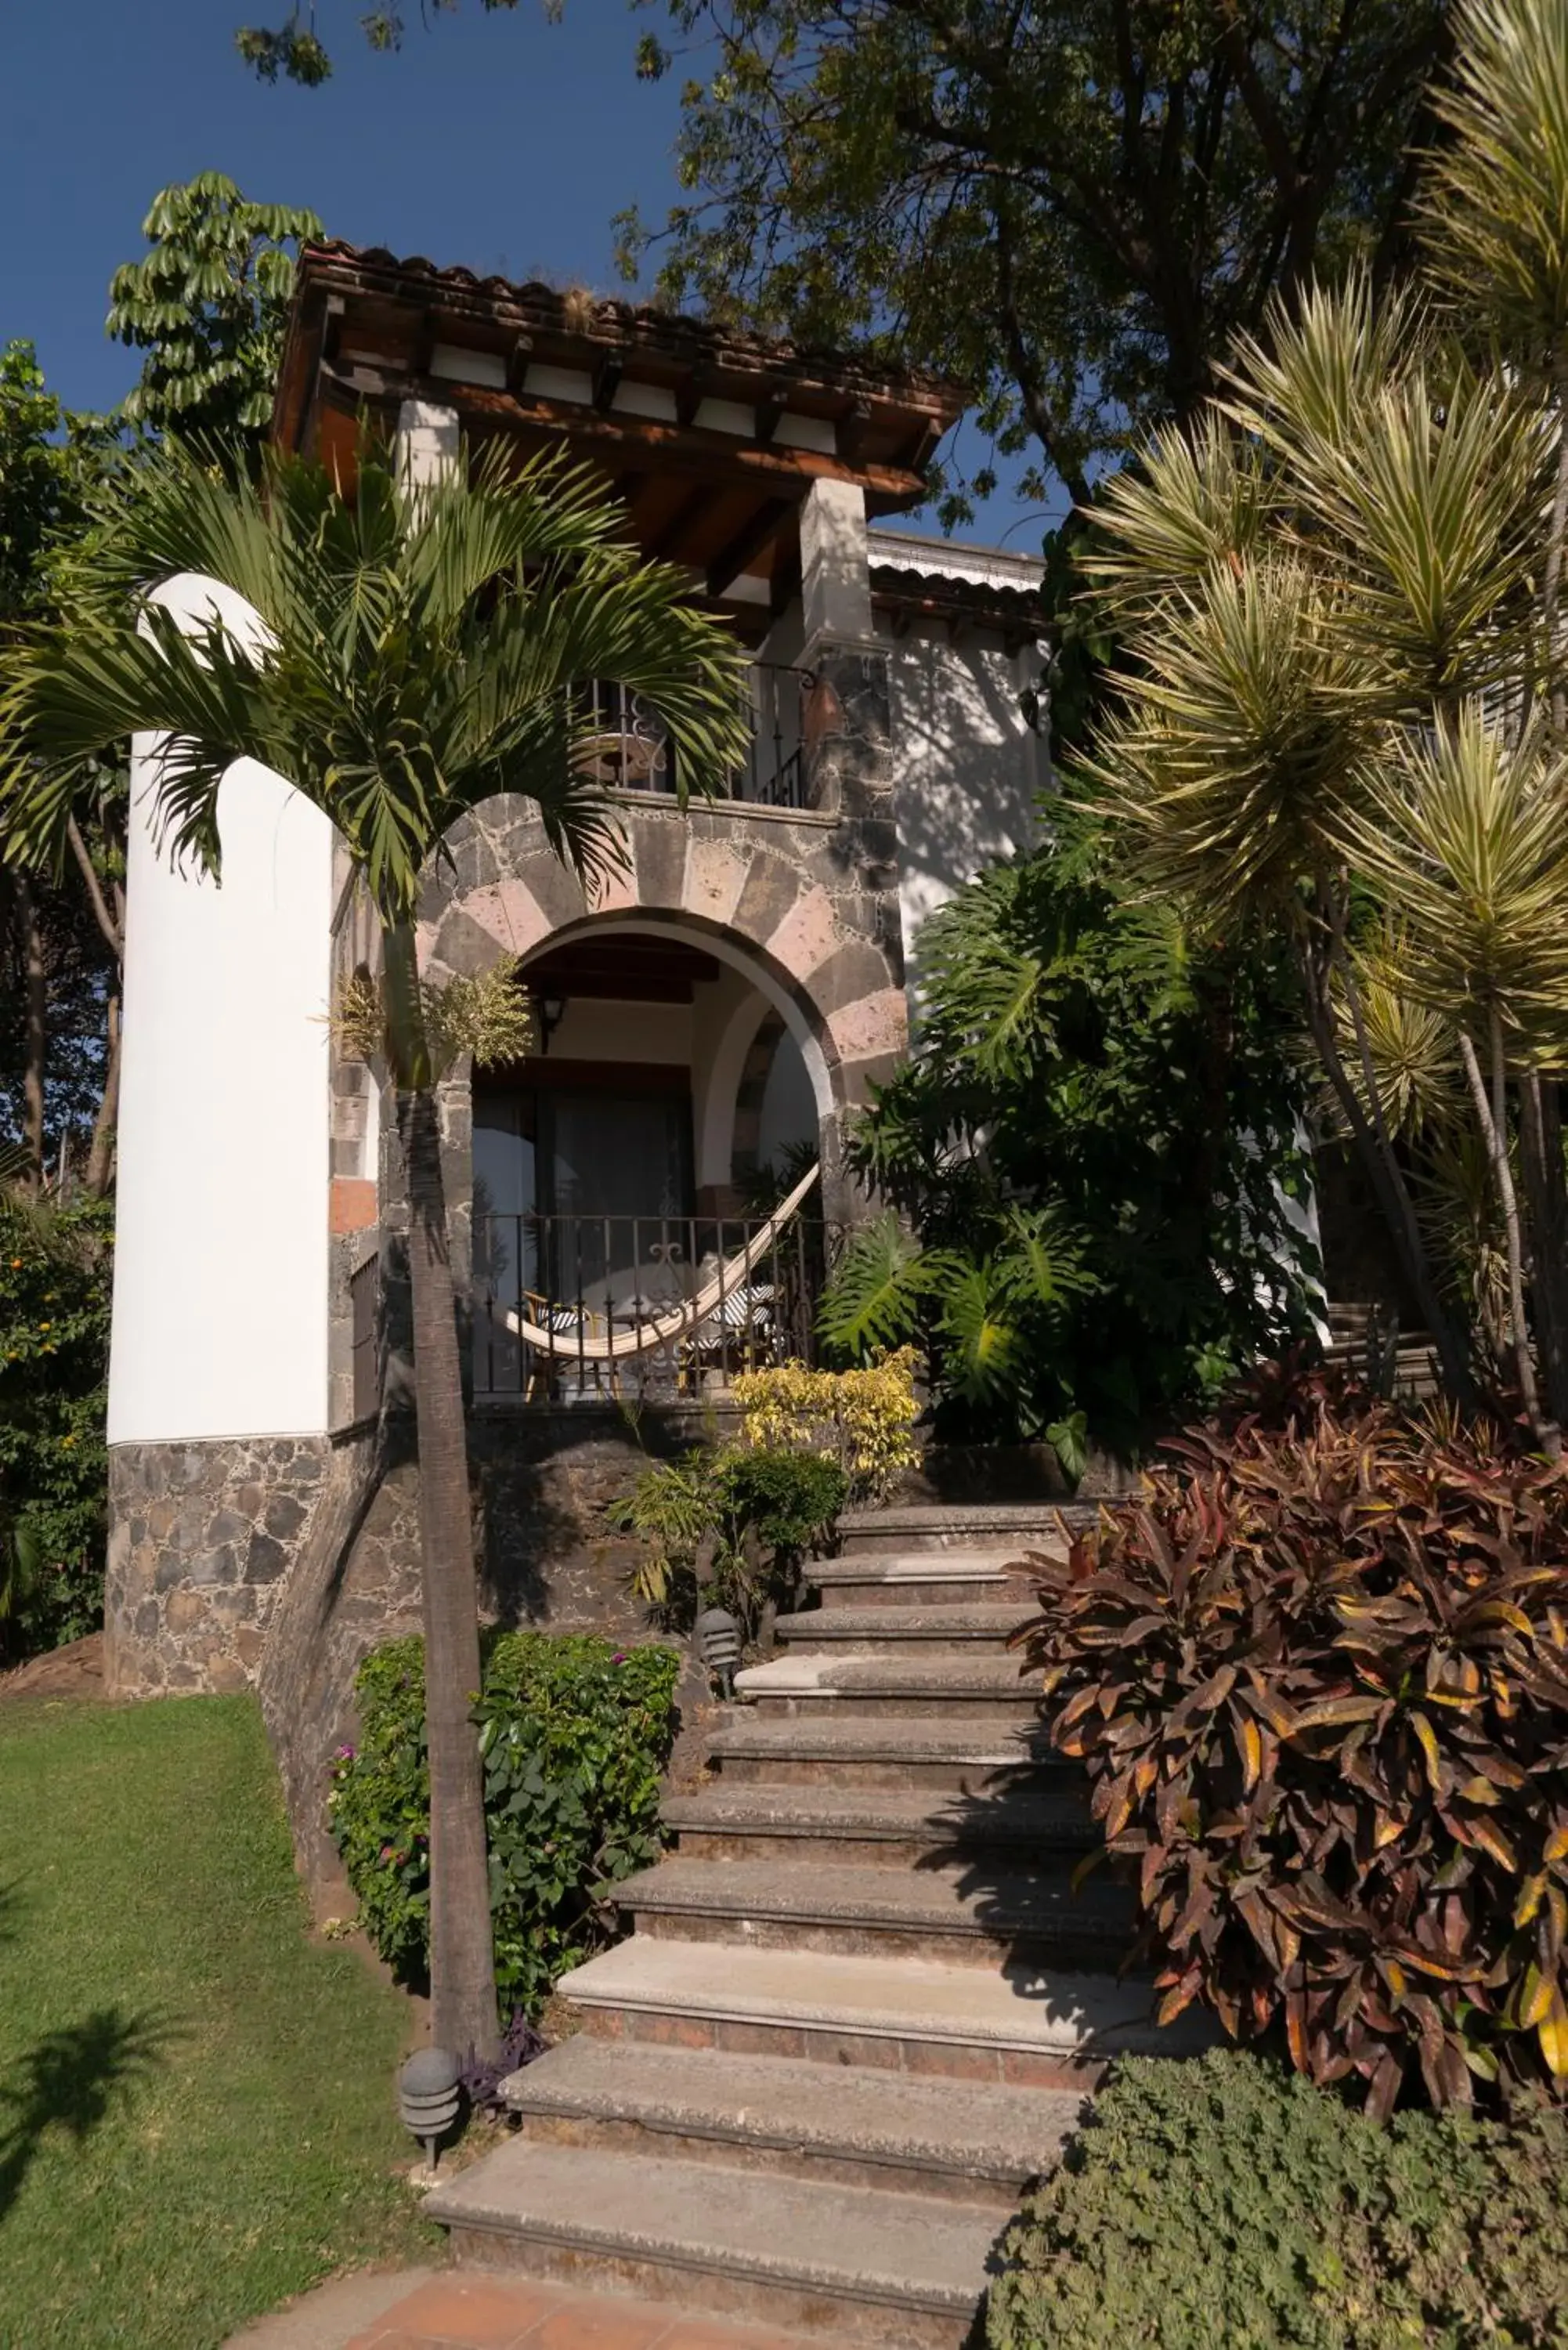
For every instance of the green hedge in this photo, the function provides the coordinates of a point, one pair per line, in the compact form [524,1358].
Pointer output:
[55,1270]
[575,1734]
[1227,2205]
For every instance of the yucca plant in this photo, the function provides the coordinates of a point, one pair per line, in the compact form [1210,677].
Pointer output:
[1319,1679]
[1343,701]
[417,651]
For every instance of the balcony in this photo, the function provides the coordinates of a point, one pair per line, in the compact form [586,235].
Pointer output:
[575,1309]
[631,749]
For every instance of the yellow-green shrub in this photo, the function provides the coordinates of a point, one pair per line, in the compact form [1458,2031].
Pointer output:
[863,1420]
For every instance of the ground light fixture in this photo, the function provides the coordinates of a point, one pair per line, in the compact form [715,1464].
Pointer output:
[429,2096]
[719,1638]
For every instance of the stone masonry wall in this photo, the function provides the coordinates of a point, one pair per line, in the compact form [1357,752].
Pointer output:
[202,1537]
[280,1563]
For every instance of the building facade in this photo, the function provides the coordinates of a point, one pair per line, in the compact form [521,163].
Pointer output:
[705,1023]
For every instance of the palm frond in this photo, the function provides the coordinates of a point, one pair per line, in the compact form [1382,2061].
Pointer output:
[419,651]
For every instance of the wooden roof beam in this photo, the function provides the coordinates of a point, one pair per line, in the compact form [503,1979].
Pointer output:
[721,456]
[784,584]
[606,377]
[685,518]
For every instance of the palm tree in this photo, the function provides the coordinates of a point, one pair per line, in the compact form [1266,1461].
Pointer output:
[417,653]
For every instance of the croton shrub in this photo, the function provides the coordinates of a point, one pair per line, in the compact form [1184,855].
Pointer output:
[1319,1679]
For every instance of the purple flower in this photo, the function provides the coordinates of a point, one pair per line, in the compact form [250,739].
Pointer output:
[618,1658]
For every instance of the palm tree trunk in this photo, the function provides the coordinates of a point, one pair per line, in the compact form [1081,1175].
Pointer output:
[462,1961]
[36,1046]
[1546,1198]
[100,1156]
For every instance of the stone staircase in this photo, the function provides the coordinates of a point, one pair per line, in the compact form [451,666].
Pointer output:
[862,2005]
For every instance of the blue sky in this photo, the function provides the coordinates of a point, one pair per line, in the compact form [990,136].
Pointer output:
[504,142]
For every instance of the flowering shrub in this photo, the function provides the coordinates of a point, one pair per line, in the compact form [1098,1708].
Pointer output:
[55,1268]
[862,1419]
[575,1734]
[1320,1683]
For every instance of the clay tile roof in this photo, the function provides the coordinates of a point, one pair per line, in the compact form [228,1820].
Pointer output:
[645,324]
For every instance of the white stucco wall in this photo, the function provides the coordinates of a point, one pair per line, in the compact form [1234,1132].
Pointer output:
[788,1113]
[221,1256]
[968,770]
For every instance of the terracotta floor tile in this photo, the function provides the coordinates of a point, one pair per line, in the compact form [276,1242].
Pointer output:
[717,2334]
[385,2336]
[594,2324]
[477,2312]
[394,2338]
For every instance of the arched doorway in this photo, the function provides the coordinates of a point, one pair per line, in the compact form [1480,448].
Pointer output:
[623,1241]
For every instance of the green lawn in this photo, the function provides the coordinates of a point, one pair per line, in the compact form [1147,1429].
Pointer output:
[195,2100]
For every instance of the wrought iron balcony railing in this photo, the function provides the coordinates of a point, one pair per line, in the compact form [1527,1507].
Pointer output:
[584,1309]
[631,750]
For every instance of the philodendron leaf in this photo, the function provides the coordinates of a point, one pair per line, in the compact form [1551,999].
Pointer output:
[1069,1439]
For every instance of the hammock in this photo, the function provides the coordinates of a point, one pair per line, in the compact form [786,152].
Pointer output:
[680,1321]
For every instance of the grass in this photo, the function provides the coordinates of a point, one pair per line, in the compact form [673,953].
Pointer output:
[196,2110]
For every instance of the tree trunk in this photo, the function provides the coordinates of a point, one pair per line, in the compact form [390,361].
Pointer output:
[1388,1186]
[1557,532]
[1546,1196]
[1496,1137]
[100,1156]
[35,1047]
[462,1961]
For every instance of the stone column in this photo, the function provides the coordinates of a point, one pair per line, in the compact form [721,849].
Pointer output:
[428,441]
[848,750]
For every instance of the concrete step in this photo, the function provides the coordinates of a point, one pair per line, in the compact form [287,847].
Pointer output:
[871,1578]
[1023,2024]
[867,2126]
[973,1913]
[976,1626]
[995,1526]
[984,1689]
[903,2271]
[889,1827]
[885,1750]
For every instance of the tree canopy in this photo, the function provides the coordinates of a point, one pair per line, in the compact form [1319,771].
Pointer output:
[1073,209]
[207,304]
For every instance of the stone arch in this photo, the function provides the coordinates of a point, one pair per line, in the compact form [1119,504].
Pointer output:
[784,901]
